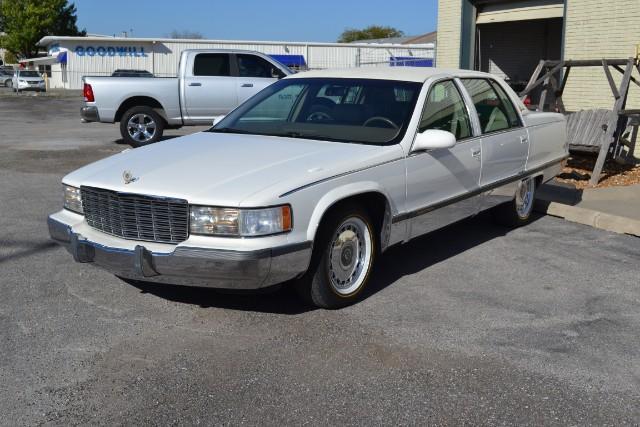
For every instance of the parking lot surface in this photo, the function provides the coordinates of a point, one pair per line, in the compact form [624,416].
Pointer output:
[474,324]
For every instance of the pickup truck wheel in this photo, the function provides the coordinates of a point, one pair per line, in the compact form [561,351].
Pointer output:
[141,126]
[518,211]
[343,257]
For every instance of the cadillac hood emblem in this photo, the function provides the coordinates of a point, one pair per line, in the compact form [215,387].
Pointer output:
[128,177]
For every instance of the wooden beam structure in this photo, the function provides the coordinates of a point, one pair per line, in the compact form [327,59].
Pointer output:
[612,125]
[617,130]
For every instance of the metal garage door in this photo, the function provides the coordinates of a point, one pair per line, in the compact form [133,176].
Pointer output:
[520,11]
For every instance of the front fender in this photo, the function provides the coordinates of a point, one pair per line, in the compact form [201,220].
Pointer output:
[344,192]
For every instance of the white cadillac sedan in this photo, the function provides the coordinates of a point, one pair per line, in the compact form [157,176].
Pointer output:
[311,180]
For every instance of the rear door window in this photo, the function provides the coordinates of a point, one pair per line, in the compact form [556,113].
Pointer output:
[512,115]
[495,110]
[211,64]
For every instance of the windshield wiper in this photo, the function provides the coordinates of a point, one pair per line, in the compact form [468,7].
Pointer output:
[229,130]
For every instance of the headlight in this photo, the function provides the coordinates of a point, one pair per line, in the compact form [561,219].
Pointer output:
[72,199]
[21,81]
[240,222]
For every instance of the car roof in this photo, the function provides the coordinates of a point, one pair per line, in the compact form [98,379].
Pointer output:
[409,74]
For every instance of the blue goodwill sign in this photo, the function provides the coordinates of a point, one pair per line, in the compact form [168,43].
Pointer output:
[110,51]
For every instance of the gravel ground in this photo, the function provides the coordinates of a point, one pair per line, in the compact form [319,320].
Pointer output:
[474,324]
[580,167]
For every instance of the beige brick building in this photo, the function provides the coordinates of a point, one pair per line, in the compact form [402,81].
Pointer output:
[509,37]
[598,29]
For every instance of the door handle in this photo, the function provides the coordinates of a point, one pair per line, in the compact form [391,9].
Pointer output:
[247,85]
[524,140]
[195,84]
[475,152]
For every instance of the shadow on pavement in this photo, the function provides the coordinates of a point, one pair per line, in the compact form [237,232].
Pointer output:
[397,262]
[432,248]
[32,250]
[280,299]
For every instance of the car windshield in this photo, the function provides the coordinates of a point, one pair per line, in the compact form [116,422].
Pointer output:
[29,74]
[364,111]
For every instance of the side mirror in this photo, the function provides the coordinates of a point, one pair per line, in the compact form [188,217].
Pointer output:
[432,139]
[217,119]
[276,74]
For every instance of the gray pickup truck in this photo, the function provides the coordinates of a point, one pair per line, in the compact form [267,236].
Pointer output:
[210,83]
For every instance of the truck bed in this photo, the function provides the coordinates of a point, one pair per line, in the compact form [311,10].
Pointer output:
[111,92]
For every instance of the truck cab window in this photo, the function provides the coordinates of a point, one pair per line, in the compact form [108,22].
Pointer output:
[211,64]
[254,66]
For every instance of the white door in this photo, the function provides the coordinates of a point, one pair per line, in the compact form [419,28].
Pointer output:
[254,74]
[442,184]
[505,144]
[209,88]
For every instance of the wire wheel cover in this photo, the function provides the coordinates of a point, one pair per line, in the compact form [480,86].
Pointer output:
[349,256]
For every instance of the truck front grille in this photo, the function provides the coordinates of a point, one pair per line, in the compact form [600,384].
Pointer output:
[136,217]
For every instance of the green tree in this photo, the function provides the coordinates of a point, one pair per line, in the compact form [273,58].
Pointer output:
[371,32]
[10,58]
[27,21]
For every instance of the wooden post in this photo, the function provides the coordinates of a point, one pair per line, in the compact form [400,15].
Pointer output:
[564,81]
[559,104]
[543,95]
[633,79]
[618,106]
[544,79]
[532,80]
[612,84]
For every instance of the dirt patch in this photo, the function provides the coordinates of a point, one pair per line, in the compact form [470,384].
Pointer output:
[579,168]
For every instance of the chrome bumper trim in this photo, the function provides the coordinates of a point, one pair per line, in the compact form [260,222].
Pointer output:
[214,268]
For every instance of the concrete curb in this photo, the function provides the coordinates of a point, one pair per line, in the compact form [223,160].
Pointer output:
[596,219]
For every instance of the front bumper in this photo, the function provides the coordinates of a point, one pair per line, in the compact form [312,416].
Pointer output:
[214,268]
[27,86]
[89,114]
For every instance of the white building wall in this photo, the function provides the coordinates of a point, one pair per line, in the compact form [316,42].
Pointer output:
[161,57]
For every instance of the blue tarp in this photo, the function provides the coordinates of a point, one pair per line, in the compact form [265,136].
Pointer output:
[410,61]
[290,60]
[62,57]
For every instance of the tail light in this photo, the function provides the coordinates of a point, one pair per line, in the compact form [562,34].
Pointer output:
[87,91]
[527,101]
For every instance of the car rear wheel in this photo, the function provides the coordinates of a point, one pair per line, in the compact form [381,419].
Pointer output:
[344,254]
[141,126]
[518,211]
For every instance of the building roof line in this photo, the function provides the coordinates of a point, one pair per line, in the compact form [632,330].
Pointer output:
[48,40]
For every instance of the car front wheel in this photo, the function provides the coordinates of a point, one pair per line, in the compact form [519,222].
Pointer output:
[344,254]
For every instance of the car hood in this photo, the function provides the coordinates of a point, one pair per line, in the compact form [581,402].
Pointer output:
[225,169]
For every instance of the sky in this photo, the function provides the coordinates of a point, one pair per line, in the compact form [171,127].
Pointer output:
[318,21]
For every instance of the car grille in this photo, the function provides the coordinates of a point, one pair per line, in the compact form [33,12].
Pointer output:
[137,217]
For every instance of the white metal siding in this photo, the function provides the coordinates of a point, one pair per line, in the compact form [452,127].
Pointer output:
[162,57]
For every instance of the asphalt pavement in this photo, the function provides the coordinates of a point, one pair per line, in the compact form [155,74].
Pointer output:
[473,324]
